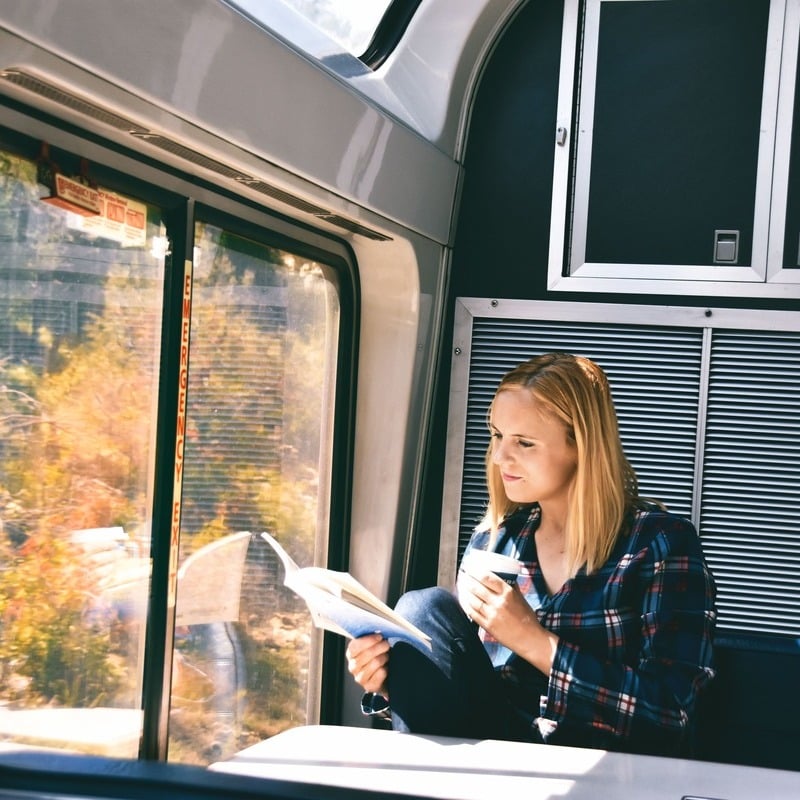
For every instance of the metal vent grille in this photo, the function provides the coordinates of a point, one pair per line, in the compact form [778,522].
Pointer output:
[655,380]
[708,418]
[353,227]
[750,490]
[178,149]
[32,83]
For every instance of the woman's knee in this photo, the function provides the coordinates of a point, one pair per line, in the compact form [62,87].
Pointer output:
[421,604]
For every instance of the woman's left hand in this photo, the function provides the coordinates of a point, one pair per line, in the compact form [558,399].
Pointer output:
[502,611]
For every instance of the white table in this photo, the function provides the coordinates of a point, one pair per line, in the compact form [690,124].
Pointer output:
[457,768]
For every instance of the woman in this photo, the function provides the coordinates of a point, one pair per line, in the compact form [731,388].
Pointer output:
[604,638]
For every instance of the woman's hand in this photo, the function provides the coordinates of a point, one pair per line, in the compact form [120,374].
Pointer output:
[502,611]
[368,663]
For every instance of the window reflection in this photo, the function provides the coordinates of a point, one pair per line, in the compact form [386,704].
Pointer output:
[256,453]
[80,319]
[350,23]
[80,323]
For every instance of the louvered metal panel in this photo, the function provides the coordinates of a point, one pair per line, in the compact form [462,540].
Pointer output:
[749,489]
[708,417]
[654,375]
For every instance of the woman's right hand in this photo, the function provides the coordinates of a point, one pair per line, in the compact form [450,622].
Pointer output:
[368,663]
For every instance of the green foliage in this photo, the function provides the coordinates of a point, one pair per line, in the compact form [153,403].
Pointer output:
[276,698]
[46,636]
[95,438]
[256,391]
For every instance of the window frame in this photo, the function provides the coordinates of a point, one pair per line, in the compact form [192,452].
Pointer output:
[178,193]
[765,276]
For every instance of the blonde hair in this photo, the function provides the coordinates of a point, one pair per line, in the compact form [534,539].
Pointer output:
[605,487]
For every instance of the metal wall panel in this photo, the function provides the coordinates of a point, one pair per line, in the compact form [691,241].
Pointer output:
[706,401]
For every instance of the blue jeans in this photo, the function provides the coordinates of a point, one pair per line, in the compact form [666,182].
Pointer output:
[452,690]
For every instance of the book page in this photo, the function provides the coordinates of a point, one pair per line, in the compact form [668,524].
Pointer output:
[339,603]
[286,559]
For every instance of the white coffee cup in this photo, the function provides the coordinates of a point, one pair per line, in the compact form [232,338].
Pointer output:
[478,562]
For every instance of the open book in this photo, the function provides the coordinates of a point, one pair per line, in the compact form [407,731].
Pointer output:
[339,603]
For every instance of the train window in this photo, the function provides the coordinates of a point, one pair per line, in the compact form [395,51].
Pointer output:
[258,423]
[351,24]
[80,328]
[677,163]
[95,562]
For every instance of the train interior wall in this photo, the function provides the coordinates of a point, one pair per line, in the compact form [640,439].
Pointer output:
[750,715]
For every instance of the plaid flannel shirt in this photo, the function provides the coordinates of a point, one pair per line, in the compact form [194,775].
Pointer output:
[635,637]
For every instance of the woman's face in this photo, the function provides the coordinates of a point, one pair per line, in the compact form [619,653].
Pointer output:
[530,447]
